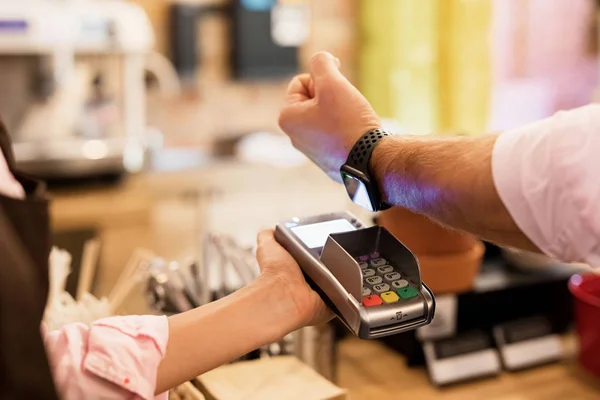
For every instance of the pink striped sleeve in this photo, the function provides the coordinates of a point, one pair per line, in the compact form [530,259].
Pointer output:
[548,176]
[114,358]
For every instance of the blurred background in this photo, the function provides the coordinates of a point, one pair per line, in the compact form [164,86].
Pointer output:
[155,124]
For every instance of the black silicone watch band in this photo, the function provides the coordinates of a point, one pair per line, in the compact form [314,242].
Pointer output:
[361,152]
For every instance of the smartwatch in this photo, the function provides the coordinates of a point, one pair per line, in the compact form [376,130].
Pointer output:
[360,183]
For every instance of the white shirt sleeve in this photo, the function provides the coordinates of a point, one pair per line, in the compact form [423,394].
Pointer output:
[548,176]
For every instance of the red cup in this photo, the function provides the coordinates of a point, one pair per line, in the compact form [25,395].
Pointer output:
[586,290]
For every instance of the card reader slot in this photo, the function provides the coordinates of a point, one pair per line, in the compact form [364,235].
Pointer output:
[396,328]
[403,326]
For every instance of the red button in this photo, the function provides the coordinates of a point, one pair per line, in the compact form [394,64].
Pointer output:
[371,301]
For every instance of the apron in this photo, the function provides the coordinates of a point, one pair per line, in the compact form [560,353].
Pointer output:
[24,251]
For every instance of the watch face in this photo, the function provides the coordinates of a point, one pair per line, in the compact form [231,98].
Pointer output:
[357,190]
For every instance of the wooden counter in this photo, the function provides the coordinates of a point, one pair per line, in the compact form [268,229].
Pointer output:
[169,213]
[371,371]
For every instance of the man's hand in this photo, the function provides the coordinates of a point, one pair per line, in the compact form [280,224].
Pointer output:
[325,115]
[280,270]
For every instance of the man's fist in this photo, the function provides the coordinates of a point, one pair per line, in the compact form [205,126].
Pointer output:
[325,115]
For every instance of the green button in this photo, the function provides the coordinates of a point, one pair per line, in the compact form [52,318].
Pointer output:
[407,292]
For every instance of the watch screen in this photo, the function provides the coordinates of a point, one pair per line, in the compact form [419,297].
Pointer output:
[357,191]
[315,235]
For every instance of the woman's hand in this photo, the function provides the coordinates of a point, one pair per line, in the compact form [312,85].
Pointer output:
[280,270]
[277,303]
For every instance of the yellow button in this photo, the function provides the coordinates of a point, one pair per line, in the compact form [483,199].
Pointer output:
[389,297]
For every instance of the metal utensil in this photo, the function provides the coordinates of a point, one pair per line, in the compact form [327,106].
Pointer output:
[173,289]
[182,281]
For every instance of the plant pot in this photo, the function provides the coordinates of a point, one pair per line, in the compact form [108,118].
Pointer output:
[450,260]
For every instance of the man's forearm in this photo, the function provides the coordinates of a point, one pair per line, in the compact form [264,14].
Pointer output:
[214,334]
[448,179]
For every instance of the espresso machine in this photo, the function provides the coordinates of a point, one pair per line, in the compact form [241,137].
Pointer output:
[72,85]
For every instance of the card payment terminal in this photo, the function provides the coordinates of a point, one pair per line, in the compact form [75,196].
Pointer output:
[365,275]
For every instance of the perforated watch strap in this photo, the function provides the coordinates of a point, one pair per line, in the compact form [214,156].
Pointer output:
[361,152]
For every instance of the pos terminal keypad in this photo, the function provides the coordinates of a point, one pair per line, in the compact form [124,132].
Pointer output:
[382,282]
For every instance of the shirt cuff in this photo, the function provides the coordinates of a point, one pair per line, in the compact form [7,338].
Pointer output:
[127,351]
[510,162]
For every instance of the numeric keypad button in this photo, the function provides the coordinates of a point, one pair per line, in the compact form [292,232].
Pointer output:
[368,272]
[392,276]
[378,262]
[402,283]
[384,287]
[374,280]
[385,269]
